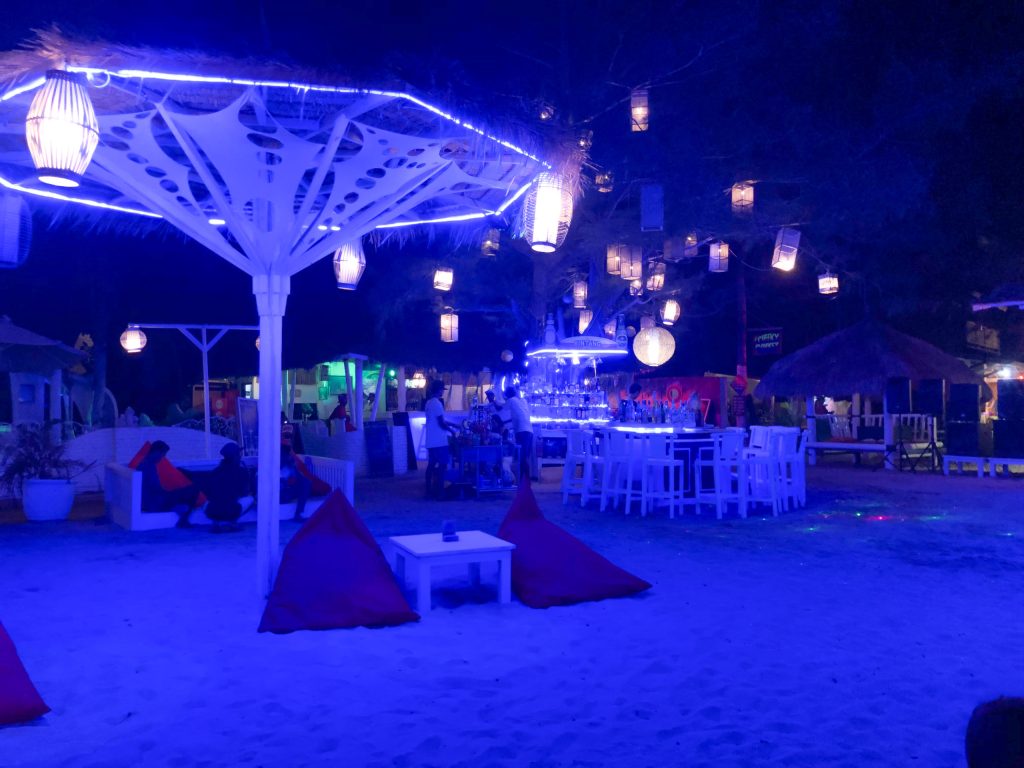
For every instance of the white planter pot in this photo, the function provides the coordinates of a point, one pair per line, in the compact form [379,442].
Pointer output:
[47,499]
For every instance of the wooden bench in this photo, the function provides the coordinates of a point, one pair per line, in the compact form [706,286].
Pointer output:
[839,446]
[123,493]
[959,461]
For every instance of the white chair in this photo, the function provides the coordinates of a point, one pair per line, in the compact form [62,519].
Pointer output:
[664,477]
[575,462]
[722,466]
[648,455]
[593,465]
[615,471]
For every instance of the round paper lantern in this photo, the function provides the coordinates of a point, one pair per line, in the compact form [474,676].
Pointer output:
[133,340]
[443,278]
[449,325]
[547,212]
[670,312]
[349,264]
[61,129]
[15,231]
[654,346]
[506,356]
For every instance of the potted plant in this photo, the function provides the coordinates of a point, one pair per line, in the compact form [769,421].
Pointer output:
[36,468]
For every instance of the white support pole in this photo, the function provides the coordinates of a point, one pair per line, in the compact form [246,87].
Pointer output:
[206,391]
[349,390]
[888,435]
[358,405]
[401,388]
[271,292]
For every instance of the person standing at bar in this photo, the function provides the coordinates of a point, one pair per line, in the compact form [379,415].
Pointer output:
[437,429]
[521,428]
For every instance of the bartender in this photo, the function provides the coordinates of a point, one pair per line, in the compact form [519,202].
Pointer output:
[628,408]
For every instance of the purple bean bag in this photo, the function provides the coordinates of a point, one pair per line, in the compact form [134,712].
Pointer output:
[334,575]
[19,699]
[550,566]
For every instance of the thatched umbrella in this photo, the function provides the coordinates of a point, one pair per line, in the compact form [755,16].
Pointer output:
[860,359]
[270,168]
[22,351]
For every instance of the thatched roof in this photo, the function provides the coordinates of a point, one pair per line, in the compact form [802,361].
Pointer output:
[860,359]
[23,351]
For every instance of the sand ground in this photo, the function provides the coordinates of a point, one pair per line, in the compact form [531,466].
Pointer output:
[858,632]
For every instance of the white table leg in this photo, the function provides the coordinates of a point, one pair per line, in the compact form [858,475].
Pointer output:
[505,578]
[474,574]
[423,587]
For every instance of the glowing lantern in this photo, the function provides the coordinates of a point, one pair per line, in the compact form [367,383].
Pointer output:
[506,356]
[742,196]
[639,109]
[605,181]
[828,283]
[586,318]
[631,262]
[349,264]
[547,212]
[585,140]
[546,112]
[718,257]
[418,381]
[654,346]
[133,340]
[787,243]
[656,276]
[579,294]
[61,129]
[443,278]
[670,312]
[609,329]
[491,243]
[647,321]
[691,240]
[612,263]
[636,287]
[449,325]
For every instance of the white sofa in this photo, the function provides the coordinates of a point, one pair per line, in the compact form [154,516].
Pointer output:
[123,493]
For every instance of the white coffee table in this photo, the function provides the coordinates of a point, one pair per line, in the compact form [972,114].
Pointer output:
[426,550]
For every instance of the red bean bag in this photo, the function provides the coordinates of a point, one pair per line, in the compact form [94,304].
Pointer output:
[19,699]
[171,478]
[550,566]
[333,575]
[319,487]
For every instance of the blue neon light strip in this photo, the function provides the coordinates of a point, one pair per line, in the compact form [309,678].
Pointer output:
[577,352]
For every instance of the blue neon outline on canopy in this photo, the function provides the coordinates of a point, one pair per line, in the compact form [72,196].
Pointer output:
[143,74]
[578,352]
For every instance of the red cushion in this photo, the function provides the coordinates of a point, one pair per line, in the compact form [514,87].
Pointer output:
[550,566]
[334,575]
[171,478]
[19,699]
[320,488]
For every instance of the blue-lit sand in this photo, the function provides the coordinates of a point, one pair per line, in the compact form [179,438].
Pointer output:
[858,632]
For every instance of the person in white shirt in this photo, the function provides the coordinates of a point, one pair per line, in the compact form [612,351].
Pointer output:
[436,438]
[521,428]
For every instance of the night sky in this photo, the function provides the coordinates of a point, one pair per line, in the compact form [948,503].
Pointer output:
[889,132]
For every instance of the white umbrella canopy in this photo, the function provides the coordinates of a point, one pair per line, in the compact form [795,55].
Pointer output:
[270,173]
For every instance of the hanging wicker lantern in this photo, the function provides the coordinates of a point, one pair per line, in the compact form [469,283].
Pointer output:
[546,112]
[449,325]
[691,240]
[605,181]
[647,321]
[133,340]
[491,243]
[609,329]
[418,381]
[349,265]
[742,196]
[547,212]
[828,283]
[586,318]
[654,346]
[787,244]
[443,278]
[655,276]
[636,287]
[612,263]
[639,109]
[15,230]
[585,140]
[61,129]
[579,294]
[631,262]
[718,257]
[670,312]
